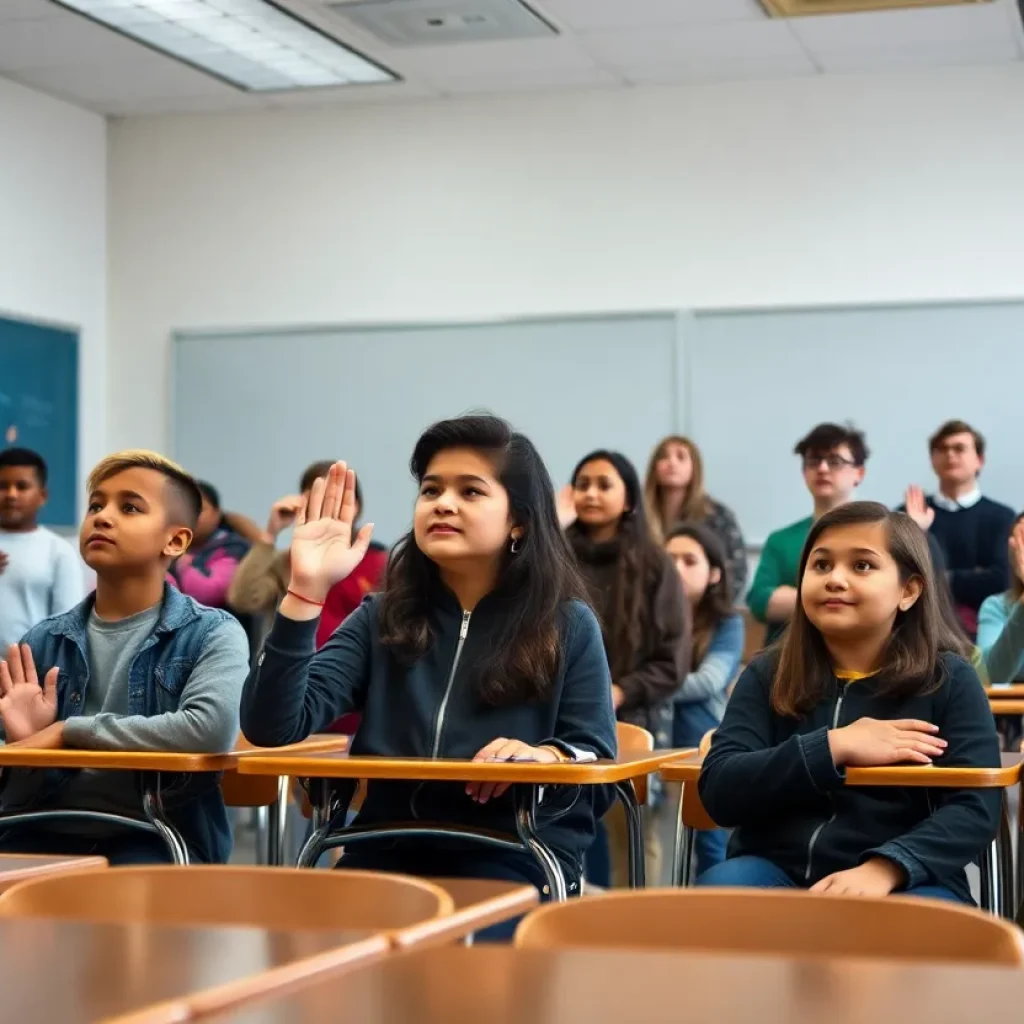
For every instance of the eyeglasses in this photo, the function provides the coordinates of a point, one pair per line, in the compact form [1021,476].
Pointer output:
[832,461]
[951,449]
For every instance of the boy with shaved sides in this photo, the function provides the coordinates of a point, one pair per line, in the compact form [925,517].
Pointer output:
[136,666]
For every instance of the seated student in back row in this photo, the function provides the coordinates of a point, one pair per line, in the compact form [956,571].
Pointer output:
[480,646]
[136,666]
[869,674]
[971,530]
[833,459]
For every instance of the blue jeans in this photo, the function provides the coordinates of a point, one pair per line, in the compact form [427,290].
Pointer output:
[759,873]
[122,849]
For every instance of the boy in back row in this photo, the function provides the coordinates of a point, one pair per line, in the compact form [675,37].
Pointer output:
[136,666]
[40,574]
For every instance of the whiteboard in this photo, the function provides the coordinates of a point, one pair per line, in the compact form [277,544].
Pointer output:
[757,383]
[252,409]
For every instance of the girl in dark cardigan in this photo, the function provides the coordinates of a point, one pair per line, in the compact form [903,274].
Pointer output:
[639,599]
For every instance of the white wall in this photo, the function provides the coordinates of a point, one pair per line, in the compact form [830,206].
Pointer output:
[53,230]
[839,190]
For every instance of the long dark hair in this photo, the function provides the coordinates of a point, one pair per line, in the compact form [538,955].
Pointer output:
[534,583]
[716,604]
[910,661]
[640,563]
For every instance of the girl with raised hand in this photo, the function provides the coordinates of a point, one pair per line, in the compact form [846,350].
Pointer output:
[479,646]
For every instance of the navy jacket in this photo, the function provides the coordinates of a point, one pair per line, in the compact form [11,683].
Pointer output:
[772,779]
[431,709]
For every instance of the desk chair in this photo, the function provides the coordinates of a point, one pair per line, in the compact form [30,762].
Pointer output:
[777,923]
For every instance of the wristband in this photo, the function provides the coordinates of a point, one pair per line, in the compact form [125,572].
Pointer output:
[305,600]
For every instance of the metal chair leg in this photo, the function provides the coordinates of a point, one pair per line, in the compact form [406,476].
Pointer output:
[526,826]
[635,831]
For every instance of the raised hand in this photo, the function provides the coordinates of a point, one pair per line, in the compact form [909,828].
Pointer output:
[1017,549]
[565,505]
[918,508]
[871,743]
[25,706]
[283,513]
[323,550]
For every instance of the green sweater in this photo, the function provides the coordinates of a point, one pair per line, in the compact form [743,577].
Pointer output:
[779,565]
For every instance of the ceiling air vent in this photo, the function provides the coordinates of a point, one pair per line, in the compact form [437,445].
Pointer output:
[794,8]
[440,22]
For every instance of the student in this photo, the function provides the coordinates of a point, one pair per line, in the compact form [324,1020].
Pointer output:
[833,459]
[40,574]
[205,572]
[868,675]
[136,666]
[645,619]
[971,530]
[674,490]
[478,647]
[261,581]
[717,650]
[1001,620]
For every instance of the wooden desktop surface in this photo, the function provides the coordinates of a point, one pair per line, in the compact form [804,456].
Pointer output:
[501,985]
[70,971]
[340,766]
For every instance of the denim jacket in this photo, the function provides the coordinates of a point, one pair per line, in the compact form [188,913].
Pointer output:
[157,675]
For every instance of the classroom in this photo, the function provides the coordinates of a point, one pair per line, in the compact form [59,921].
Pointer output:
[511,509]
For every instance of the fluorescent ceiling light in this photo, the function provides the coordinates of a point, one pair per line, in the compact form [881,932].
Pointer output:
[252,44]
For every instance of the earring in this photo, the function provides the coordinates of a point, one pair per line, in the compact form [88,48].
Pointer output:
[514,546]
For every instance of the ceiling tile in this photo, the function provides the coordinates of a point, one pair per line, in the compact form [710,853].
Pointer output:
[137,80]
[950,54]
[902,30]
[543,81]
[394,92]
[520,57]
[59,42]
[145,106]
[794,66]
[702,44]
[591,15]
[13,10]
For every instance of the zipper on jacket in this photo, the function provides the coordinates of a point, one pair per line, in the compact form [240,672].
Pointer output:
[463,630]
[448,688]
[817,832]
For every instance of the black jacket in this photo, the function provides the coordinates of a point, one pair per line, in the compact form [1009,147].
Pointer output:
[293,691]
[772,779]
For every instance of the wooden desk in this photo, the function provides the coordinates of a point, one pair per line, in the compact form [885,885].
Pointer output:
[151,766]
[529,778]
[15,868]
[999,876]
[479,903]
[338,766]
[269,794]
[1014,692]
[501,985]
[1007,707]
[71,972]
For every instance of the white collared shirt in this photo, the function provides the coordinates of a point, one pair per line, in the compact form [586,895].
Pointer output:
[939,500]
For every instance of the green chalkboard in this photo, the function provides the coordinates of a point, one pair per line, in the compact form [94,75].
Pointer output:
[39,406]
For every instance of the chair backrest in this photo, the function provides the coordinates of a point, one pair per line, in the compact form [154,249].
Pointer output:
[787,923]
[275,898]
[634,740]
